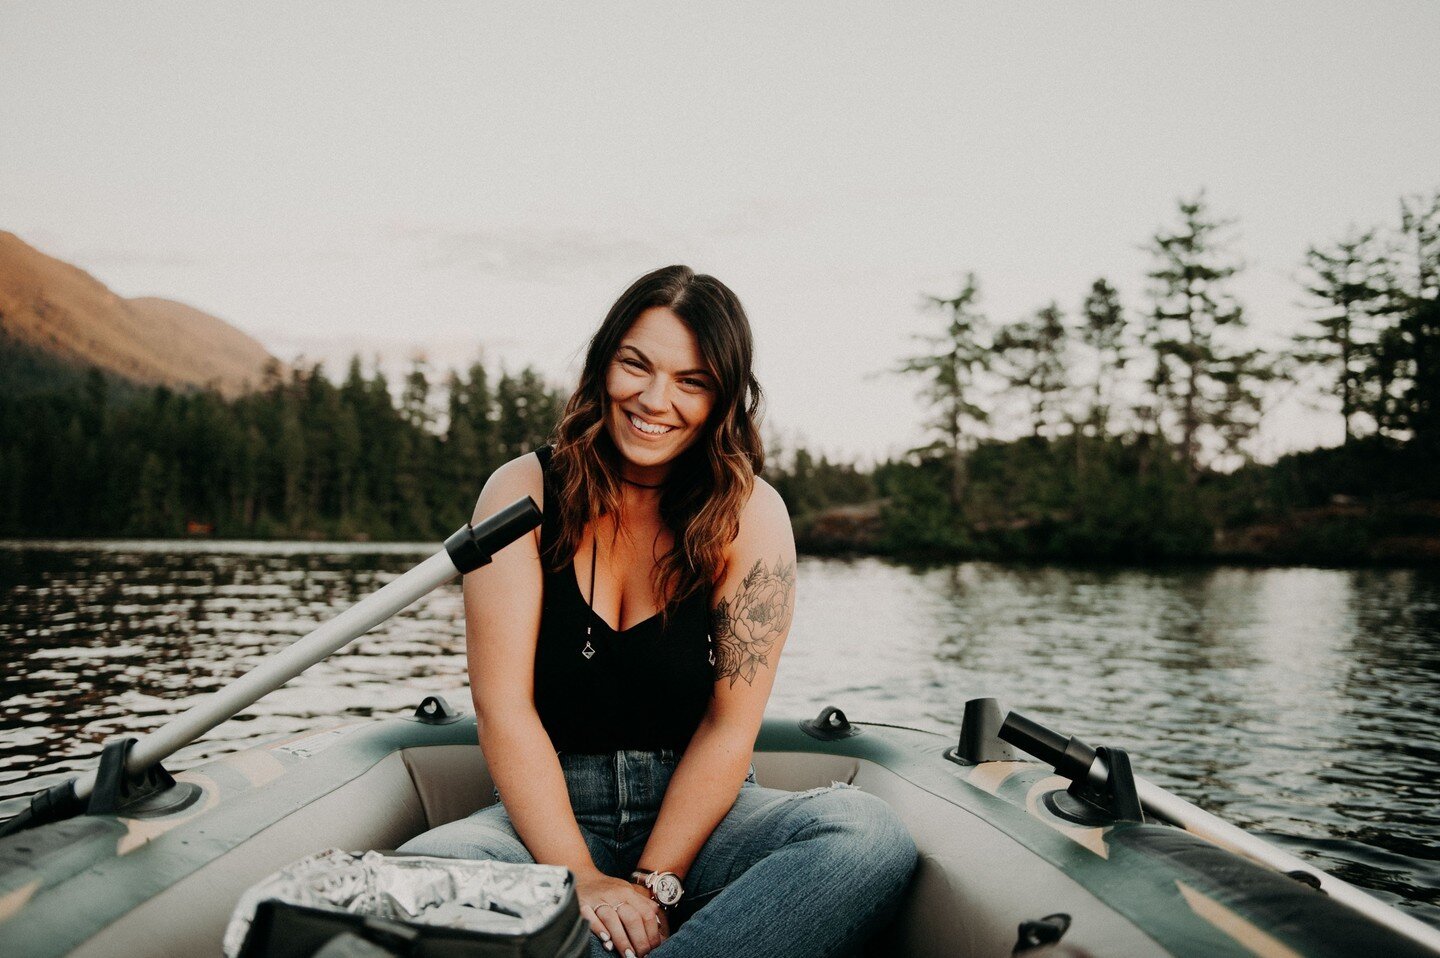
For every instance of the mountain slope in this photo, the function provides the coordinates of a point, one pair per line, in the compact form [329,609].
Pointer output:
[66,313]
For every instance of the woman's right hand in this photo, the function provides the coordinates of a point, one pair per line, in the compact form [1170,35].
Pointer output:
[621,914]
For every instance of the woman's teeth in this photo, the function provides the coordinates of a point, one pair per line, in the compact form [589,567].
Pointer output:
[650,429]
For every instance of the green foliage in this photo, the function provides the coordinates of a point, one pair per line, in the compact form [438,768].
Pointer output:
[809,485]
[1153,493]
[1409,361]
[1351,284]
[1026,500]
[950,374]
[1119,464]
[1203,383]
[1103,332]
[918,517]
[1032,364]
[303,457]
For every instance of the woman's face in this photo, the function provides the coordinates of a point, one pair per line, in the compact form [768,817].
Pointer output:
[661,393]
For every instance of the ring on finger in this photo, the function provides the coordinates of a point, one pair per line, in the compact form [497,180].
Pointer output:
[603,904]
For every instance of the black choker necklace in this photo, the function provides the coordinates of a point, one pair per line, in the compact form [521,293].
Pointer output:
[641,484]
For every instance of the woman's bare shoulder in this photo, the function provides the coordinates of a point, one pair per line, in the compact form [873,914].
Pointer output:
[764,516]
[521,476]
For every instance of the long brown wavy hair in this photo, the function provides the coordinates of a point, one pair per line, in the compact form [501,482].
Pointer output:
[711,480]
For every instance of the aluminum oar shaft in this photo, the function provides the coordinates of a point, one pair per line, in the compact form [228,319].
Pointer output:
[283,666]
[466,550]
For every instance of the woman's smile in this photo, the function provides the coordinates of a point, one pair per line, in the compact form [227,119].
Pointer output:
[648,428]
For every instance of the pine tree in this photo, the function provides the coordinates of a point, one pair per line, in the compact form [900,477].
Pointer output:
[1416,338]
[950,375]
[290,458]
[1203,383]
[1350,282]
[1031,356]
[471,401]
[1103,331]
[527,411]
[415,397]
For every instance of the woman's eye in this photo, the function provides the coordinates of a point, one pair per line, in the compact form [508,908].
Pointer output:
[632,363]
[695,383]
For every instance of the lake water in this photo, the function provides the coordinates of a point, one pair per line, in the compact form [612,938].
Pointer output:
[1301,704]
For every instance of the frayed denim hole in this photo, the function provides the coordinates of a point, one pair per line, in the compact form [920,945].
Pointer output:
[822,789]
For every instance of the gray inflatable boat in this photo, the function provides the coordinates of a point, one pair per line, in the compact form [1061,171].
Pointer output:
[1030,842]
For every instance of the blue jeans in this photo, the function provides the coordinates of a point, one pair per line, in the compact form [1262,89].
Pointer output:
[784,873]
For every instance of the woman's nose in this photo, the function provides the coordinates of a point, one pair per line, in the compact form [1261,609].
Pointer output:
[653,397]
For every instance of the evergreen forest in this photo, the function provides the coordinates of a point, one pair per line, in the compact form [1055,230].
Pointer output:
[1101,430]
[300,458]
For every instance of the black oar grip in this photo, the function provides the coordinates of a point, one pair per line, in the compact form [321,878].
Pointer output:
[470,547]
[1068,756]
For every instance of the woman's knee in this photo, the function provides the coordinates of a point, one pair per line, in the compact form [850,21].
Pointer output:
[864,829]
[481,836]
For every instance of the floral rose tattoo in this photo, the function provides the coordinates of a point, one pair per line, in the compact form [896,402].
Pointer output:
[746,627]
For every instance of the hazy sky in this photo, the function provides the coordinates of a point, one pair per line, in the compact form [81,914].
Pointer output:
[467,176]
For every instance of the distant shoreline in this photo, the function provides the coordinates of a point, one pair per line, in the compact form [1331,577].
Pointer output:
[1344,535]
[1417,552]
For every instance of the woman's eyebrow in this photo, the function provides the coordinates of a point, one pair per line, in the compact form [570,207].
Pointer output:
[684,372]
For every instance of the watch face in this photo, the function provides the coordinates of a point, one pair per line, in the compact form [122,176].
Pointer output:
[667,889]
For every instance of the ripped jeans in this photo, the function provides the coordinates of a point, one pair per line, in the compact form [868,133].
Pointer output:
[783,873]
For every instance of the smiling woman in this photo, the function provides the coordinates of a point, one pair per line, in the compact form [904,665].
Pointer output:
[620,661]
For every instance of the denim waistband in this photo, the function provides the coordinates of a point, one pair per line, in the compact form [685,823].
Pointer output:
[608,782]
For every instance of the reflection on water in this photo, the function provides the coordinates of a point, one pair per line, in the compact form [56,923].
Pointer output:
[1302,704]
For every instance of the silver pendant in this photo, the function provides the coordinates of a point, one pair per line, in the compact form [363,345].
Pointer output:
[589,649]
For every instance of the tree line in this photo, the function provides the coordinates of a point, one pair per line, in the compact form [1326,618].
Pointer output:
[301,457]
[1135,423]
[1111,431]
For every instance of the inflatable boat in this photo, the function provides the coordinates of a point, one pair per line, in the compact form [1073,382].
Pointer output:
[1030,842]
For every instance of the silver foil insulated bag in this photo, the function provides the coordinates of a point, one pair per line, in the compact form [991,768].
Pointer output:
[412,904]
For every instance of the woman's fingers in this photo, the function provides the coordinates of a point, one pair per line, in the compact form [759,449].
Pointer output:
[636,922]
[655,924]
[597,927]
[614,935]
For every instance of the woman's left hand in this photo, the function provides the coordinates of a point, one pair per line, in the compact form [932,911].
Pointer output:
[626,916]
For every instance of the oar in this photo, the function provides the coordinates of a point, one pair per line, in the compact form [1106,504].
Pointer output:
[1074,759]
[468,549]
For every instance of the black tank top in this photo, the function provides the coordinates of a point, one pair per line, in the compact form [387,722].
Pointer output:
[645,688]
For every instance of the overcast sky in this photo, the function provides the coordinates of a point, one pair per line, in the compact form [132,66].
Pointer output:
[459,177]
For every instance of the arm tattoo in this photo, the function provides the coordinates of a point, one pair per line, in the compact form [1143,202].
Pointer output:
[745,628]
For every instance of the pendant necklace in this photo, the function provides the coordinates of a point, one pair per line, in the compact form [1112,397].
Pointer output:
[589,649]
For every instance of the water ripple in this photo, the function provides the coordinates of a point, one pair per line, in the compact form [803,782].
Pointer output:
[1303,704]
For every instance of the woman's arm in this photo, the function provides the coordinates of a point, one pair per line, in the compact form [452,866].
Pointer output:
[751,611]
[502,626]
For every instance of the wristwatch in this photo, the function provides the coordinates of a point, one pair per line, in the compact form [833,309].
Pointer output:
[665,887]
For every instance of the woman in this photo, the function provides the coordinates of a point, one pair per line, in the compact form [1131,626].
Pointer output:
[620,660]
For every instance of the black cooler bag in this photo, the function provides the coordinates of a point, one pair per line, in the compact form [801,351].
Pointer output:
[342,905]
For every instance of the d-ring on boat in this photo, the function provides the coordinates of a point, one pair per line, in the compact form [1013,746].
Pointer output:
[1030,842]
